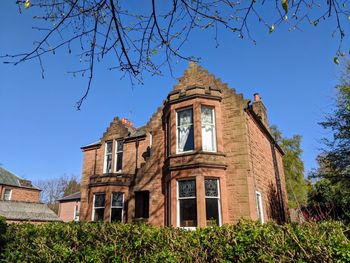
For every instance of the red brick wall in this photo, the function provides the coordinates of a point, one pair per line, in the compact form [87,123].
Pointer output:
[21,194]
[66,210]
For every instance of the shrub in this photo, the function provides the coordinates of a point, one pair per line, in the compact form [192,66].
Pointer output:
[112,242]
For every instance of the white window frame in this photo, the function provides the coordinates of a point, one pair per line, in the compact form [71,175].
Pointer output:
[9,195]
[258,200]
[105,157]
[75,217]
[211,124]
[177,130]
[122,207]
[93,206]
[178,204]
[212,197]
[116,154]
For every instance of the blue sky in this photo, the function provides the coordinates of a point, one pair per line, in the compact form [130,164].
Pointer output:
[41,132]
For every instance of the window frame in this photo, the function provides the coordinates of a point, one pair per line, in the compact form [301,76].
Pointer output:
[122,207]
[177,130]
[105,158]
[148,206]
[76,213]
[10,194]
[94,208]
[213,127]
[211,197]
[259,204]
[116,155]
[178,223]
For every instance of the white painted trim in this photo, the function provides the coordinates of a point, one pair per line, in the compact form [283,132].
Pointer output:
[115,156]
[10,195]
[105,156]
[218,198]
[214,127]
[122,207]
[258,198]
[183,198]
[177,133]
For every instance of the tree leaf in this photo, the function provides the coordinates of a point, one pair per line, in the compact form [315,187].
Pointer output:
[285,5]
[336,60]
[27,4]
[272,28]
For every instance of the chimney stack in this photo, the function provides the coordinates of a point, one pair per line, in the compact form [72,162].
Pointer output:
[127,123]
[260,110]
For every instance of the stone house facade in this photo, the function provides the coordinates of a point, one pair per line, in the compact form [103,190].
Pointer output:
[206,156]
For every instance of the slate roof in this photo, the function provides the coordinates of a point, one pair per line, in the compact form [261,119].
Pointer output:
[75,196]
[24,211]
[8,178]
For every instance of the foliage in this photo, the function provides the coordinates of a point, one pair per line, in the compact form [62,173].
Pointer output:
[113,242]
[330,197]
[329,200]
[143,37]
[3,228]
[53,189]
[335,157]
[293,168]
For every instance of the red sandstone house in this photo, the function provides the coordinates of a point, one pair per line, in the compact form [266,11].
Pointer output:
[20,200]
[206,156]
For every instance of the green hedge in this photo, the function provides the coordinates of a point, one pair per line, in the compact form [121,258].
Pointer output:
[243,242]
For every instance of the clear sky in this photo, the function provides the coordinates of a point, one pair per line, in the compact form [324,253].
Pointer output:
[41,132]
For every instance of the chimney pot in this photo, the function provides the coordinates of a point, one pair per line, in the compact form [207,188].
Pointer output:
[257,97]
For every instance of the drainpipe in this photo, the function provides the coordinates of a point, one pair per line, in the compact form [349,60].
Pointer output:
[278,183]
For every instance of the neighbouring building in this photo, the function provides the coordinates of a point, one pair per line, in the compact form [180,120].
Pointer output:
[69,207]
[20,200]
[205,156]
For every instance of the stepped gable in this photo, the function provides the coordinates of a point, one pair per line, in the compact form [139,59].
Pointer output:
[117,127]
[196,76]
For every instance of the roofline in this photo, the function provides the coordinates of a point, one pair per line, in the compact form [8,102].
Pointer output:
[90,146]
[25,187]
[265,130]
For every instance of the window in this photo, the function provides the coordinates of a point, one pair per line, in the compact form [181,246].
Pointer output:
[99,207]
[7,194]
[119,156]
[108,157]
[259,207]
[76,213]
[212,201]
[184,129]
[208,129]
[142,204]
[117,205]
[187,204]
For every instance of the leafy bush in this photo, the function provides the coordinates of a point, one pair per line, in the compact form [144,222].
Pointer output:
[111,242]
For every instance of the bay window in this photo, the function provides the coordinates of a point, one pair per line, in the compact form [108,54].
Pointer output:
[108,157]
[117,206]
[98,209]
[184,130]
[212,201]
[119,156]
[208,129]
[187,203]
